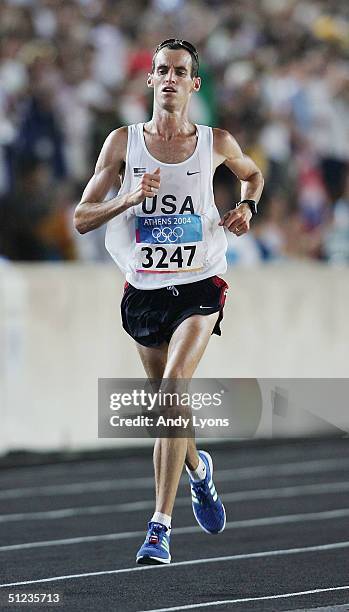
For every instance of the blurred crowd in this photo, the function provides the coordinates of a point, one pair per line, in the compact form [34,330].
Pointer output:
[275,74]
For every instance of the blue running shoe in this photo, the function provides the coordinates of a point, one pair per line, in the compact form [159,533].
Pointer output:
[156,547]
[207,506]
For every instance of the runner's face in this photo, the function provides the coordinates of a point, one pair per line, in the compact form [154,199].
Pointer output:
[172,79]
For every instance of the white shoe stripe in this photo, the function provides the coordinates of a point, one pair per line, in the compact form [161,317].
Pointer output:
[215,497]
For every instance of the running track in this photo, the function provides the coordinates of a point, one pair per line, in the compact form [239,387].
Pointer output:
[74,528]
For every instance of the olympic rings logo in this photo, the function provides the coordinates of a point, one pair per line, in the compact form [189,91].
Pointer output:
[167,234]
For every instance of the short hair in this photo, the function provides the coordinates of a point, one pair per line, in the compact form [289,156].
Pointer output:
[177,43]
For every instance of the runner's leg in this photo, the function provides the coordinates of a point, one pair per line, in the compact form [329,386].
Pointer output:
[185,350]
[154,363]
[153,359]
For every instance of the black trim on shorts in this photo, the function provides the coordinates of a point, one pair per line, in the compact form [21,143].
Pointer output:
[151,316]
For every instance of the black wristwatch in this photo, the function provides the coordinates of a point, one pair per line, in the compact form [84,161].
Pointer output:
[252,205]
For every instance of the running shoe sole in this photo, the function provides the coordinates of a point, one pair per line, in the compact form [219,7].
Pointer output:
[146,560]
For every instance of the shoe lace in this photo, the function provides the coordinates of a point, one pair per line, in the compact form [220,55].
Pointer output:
[157,528]
[200,489]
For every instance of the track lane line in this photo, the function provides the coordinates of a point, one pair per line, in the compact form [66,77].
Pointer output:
[247,599]
[283,469]
[256,555]
[243,524]
[236,496]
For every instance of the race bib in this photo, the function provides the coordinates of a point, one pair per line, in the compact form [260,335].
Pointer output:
[169,243]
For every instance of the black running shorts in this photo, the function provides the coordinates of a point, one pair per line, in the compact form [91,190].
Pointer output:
[151,316]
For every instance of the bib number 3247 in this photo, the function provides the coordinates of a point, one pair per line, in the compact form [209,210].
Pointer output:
[169,244]
[170,258]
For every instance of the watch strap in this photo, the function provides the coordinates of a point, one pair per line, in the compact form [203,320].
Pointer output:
[252,205]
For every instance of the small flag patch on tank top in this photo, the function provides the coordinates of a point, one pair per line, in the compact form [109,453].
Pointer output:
[139,171]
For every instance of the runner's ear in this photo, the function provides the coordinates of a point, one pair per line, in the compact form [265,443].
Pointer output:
[197,83]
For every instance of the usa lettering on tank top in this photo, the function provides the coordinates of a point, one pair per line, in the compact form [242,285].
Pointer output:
[173,237]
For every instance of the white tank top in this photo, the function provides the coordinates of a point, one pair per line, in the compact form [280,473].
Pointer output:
[173,238]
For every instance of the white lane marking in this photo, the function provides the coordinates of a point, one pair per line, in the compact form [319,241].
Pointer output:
[283,469]
[254,494]
[256,555]
[312,489]
[247,599]
[69,541]
[245,524]
[325,608]
[82,466]
[79,487]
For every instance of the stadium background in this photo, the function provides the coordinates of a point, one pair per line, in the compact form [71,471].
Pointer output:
[276,74]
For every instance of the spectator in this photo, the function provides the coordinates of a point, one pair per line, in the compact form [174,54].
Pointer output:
[275,74]
[39,133]
[34,218]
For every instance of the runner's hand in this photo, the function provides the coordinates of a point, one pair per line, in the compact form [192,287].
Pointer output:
[237,220]
[148,187]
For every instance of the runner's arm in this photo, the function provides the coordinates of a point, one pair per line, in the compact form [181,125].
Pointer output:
[227,151]
[92,211]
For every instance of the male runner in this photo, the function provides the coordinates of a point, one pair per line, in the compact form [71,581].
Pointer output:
[165,233]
